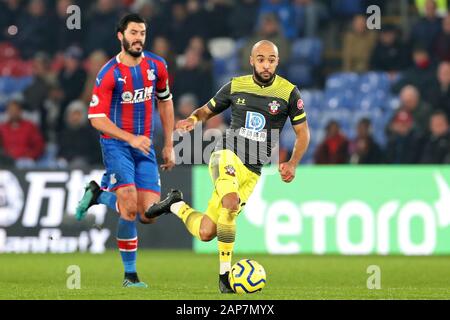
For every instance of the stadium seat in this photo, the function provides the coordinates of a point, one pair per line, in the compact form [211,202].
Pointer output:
[307,50]
[222,48]
[342,81]
[300,74]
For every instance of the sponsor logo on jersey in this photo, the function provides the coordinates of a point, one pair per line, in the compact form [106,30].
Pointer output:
[254,124]
[138,96]
[274,107]
[255,121]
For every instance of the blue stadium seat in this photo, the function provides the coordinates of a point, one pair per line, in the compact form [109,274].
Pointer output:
[374,81]
[342,81]
[307,50]
[300,74]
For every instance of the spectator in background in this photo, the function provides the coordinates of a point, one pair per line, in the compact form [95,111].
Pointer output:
[20,139]
[38,91]
[218,15]
[405,142]
[283,10]
[9,14]
[269,29]
[161,46]
[242,18]
[334,149]
[441,7]
[441,48]
[309,17]
[439,95]
[420,111]
[358,44]
[185,106]
[389,54]
[101,24]
[198,44]
[33,27]
[153,14]
[192,78]
[420,75]
[425,31]
[364,149]
[95,61]
[180,28]
[71,78]
[437,146]
[77,143]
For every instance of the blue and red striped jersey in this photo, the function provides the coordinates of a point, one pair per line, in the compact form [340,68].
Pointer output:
[127,95]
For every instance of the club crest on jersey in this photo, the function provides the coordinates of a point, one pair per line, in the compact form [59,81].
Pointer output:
[151,74]
[274,107]
[229,170]
[138,96]
[112,178]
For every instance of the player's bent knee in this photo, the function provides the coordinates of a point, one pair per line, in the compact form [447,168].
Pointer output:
[231,202]
[207,234]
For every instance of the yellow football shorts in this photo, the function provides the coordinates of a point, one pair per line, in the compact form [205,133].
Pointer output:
[228,174]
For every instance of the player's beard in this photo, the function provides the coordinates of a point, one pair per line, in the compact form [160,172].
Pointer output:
[127,46]
[260,79]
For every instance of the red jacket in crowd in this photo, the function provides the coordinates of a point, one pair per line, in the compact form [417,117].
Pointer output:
[21,139]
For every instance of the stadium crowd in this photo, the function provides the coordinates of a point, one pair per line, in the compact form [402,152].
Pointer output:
[47,72]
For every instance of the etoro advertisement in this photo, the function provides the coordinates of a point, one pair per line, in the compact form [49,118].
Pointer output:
[342,210]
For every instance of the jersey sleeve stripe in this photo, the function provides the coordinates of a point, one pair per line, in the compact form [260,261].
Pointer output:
[98,115]
[299,117]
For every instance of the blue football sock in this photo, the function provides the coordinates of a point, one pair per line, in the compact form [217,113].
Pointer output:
[127,242]
[109,199]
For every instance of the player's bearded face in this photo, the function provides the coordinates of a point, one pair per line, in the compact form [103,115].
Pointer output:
[264,67]
[264,76]
[133,48]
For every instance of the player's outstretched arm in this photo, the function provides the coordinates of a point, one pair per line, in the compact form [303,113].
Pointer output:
[287,169]
[200,114]
[105,125]
[166,114]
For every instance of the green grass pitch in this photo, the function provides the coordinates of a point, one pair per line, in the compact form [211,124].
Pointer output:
[186,275]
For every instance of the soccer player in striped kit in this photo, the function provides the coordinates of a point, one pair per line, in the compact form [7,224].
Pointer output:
[126,92]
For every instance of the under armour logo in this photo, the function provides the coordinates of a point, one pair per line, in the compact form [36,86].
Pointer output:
[240,101]
[124,79]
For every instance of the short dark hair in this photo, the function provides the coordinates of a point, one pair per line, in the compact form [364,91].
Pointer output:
[439,113]
[132,17]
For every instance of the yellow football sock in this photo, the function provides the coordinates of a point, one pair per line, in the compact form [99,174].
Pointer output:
[226,233]
[192,219]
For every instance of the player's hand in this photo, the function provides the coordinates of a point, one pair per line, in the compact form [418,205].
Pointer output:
[185,125]
[141,143]
[169,158]
[287,171]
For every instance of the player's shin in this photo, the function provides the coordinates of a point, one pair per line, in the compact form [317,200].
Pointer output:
[226,233]
[127,242]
